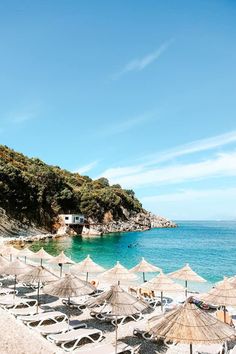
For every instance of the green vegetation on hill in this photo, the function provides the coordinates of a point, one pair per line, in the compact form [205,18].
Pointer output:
[34,192]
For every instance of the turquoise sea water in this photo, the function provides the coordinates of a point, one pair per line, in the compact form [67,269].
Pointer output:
[208,246]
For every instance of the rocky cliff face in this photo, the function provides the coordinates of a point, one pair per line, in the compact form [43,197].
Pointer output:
[10,227]
[139,222]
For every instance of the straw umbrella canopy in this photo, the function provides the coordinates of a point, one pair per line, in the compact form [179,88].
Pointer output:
[60,260]
[163,284]
[69,286]
[9,251]
[144,267]
[42,255]
[38,275]
[222,294]
[118,274]
[119,303]
[187,274]
[87,266]
[189,324]
[16,268]
[27,253]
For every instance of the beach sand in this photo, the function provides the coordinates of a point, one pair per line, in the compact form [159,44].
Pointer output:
[16,338]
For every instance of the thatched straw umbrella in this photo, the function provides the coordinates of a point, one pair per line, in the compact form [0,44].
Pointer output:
[27,253]
[222,294]
[69,286]
[42,255]
[145,267]
[16,268]
[87,266]
[162,283]
[187,274]
[118,274]
[188,324]
[119,303]
[38,275]
[9,251]
[60,260]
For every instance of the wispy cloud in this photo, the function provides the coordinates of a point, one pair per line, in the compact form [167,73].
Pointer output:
[24,114]
[221,165]
[127,124]
[193,147]
[139,64]
[165,156]
[86,168]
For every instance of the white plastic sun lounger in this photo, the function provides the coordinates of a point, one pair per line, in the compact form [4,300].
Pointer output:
[9,300]
[71,339]
[60,327]
[29,310]
[120,319]
[107,349]
[7,291]
[79,303]
[39,318]
[23,307]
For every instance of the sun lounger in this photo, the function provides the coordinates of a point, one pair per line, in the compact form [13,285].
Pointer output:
[45,318]
[40,317]
[30,310]
[107,349]
[79,303]
[72,339]
[120,319]
[60,327]
[142,331]
[24,307]
[7,291]
[8,301]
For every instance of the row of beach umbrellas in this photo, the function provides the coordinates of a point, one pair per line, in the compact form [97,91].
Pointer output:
[88,266]
[187,324]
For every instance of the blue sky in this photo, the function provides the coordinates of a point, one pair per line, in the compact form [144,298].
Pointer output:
[142,92]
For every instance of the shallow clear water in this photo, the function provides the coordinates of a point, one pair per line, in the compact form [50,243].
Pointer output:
[208,246]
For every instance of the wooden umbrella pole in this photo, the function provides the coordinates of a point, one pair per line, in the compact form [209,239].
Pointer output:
[25,259]
[161,301]
[69,313]
[186,288]
[41,262]
[144,277]
[116,336]
[14,287]
[60,265]
[38,297]
[224,314]
[191,348]
[86,277]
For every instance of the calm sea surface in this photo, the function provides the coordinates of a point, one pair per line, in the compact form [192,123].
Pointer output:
[208,246]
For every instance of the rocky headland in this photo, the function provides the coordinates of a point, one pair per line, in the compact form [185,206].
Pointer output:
[33,195]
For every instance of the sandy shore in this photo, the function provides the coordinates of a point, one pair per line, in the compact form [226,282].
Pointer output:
[16,338]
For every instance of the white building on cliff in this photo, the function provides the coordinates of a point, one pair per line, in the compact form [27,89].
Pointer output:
[72,219]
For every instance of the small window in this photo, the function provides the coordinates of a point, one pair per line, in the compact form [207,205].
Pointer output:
[66,217]
[76,218]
